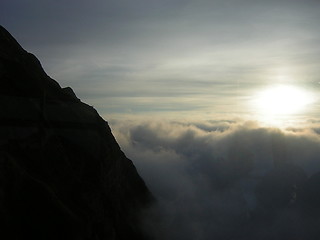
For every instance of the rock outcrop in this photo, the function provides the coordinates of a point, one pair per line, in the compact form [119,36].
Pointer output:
[62,173]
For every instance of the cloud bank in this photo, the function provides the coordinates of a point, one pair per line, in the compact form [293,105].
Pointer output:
[226,179]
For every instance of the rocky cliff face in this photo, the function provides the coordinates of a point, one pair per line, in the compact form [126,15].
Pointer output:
[62,174]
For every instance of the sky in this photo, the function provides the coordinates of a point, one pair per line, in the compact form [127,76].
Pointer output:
[215,101]
[180,58]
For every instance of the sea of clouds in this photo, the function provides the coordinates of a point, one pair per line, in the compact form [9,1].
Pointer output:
[226,179]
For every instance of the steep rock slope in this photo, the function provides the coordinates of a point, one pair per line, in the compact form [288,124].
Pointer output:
[62,174]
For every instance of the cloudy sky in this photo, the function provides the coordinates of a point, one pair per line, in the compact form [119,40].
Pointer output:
[215,101]
[204,58]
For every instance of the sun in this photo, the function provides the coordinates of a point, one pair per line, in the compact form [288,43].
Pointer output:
[282,101]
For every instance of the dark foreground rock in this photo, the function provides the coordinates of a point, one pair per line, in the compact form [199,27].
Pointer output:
[62,174]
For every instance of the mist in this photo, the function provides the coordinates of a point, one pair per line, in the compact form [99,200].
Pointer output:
[226,179]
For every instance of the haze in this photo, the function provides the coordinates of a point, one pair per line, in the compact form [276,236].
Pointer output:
[172,58]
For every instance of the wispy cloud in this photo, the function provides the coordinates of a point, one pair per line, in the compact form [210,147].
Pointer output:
[200,52]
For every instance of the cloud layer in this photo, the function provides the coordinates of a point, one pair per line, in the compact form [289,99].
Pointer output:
[226,179]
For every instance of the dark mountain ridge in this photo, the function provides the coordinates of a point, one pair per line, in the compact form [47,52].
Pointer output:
[62,173]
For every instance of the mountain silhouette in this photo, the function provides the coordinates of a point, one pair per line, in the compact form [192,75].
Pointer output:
[62,173]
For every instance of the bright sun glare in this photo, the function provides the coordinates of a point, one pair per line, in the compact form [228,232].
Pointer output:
[282,101]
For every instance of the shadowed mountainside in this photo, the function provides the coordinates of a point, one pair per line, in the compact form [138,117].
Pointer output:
[62,174]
